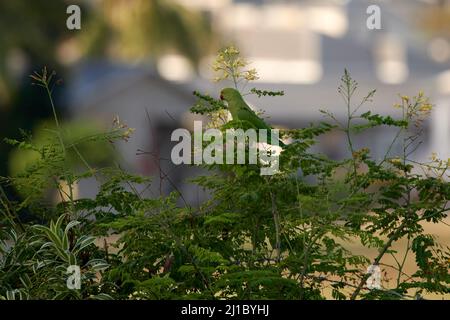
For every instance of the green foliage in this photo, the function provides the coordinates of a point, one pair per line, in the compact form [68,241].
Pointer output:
[206,104]
[285,236]
[264,93]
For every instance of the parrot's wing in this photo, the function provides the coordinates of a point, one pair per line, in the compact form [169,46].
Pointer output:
[247,114]
[242,112]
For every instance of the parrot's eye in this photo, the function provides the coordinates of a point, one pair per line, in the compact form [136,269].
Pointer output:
[221,97]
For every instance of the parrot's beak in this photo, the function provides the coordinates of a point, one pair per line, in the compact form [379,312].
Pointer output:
[221,97]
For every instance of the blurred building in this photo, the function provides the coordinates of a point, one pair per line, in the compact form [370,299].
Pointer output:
[301,47]
[304,46]
[142,100]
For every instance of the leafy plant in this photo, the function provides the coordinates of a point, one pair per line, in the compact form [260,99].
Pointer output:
[284,236]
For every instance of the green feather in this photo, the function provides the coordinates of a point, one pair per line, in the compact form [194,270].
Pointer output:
[240,111]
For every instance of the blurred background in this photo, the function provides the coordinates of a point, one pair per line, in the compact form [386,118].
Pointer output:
[140,60]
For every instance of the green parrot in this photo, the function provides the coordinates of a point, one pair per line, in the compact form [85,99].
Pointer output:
[240,111]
